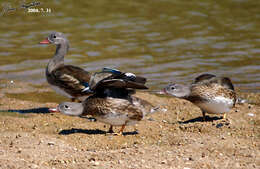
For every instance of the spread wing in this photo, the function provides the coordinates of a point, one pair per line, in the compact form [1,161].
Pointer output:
[112,78]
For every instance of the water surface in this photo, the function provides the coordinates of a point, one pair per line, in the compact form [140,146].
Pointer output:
[163,40]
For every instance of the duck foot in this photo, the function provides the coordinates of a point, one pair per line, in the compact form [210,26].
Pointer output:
[117,134]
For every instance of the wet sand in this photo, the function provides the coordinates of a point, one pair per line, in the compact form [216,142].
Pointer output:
[175,137]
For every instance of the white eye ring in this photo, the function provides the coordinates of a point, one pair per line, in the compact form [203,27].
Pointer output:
[66,106]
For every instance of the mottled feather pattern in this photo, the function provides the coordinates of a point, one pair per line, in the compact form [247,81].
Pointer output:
[133,107]
[209,91]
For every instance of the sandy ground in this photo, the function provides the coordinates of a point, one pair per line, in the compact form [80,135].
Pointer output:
[174,137]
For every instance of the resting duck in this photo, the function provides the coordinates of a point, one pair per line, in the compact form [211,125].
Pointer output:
[116,107]
[74,82]
[210,93]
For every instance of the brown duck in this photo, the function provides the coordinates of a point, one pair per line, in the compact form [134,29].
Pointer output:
[76,83]
[210,93]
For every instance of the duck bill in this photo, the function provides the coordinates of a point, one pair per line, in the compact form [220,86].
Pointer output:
[45,41]
[53,110]
[164,91]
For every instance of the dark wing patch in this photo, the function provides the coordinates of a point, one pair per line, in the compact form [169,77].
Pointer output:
[203,77]
[226,82]
[72,79]
[110,79]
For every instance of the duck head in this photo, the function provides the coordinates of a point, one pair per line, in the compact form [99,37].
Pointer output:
[70,108]
[177,90]
[55,38]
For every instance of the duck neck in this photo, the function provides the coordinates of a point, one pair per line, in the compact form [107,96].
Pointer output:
[58,58]
[185,93]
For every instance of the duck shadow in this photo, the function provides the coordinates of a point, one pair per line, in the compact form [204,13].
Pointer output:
[200,119]
[40,110]
[91,132]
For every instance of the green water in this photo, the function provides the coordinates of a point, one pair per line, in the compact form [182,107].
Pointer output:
[163,40]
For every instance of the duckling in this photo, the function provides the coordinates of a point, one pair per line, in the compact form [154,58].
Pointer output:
[212,94]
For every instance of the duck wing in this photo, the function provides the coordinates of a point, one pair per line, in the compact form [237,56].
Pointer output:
[70,78]
[112,78]
[203,78]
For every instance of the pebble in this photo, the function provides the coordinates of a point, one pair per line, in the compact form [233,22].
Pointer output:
[219,125]
[164,121]
[51,143]
[164,162]
[164,110]
[251,114]
[95,163]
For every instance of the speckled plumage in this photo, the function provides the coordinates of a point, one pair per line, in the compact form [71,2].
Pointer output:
[110,110]
[211,93]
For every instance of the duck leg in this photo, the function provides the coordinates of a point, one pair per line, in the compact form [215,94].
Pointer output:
[225,116]
[110,129]
[120,133]
[204,115]
[121,130]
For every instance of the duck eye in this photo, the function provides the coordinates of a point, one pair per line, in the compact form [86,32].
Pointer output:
[66,106]
[54,36]
[172,87]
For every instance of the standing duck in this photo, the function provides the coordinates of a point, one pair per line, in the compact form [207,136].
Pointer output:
[116,107]
[76,83]
[112,102]
[212,94]
[67,80]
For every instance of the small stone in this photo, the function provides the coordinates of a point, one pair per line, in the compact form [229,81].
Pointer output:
[164,110]
[164,162]
[203,155]
[95,163]
[18,135]
[150,119]
[219,125]
[51,143]
[251,114]
[34,127]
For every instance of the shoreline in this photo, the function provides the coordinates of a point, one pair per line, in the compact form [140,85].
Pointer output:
[176,138]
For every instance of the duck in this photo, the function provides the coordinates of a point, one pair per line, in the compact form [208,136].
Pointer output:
[113,107]
[113,102]
[212,94]
[76,83]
